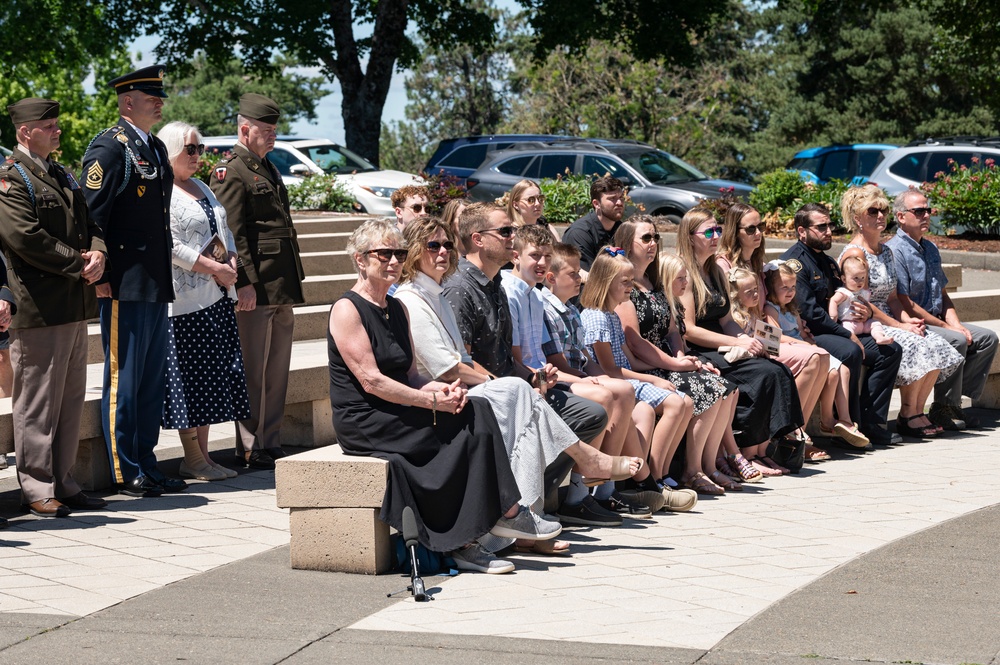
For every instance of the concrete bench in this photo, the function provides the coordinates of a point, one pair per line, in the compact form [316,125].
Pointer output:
[334,502]
[308,418]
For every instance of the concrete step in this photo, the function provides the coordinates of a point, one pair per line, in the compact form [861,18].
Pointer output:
[317,264]
[311,323]
[973,306]
[323,242]
[343,224]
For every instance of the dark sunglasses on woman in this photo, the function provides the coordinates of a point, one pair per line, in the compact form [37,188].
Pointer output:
[192,149]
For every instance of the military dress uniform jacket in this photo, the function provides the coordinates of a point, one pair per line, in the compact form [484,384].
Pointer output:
[815,284]
[128,189]
[42,241]
[256,203]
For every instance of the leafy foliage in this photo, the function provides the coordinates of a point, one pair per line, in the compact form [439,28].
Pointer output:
[567,198]
[321,192]
[968,197]
[443,188]
[780,193]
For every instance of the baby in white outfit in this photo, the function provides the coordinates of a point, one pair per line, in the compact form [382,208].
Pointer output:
[855,289]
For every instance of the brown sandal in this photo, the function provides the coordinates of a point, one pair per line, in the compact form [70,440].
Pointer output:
[725,482]
[701,484]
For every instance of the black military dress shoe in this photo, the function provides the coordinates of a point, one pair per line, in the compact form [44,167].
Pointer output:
[275,453]
[81,501]
[171,485]
[258,459]
[141,486]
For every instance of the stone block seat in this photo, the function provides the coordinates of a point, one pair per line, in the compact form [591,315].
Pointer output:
[334,502]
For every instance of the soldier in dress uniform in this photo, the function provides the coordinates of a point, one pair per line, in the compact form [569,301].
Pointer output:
[270,275]
[128,182]
[55,254]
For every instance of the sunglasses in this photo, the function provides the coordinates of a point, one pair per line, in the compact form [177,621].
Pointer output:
[751,230]
[532,200]
[385,254]
[920,212]
[647,238]
[192,149]
[502,231]
[435,246]
[709,232]
[822,228]
[613,251]
[874,211]
[419,207]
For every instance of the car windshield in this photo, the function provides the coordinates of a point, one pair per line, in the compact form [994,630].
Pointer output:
[336,159]
[662,168]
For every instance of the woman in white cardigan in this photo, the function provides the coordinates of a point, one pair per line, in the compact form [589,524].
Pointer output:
[205,380]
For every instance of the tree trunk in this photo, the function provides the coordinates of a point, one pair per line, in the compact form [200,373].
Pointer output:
[365,92]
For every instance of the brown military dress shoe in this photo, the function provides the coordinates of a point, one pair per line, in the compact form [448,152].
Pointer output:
[48,508]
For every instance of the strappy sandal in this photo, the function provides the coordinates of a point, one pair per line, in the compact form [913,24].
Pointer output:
[725,482]
[701,484]
[619,471]
[765,470]
[814,454]
[903,428]
[747,472]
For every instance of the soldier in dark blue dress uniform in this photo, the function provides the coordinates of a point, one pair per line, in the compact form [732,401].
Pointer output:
[128,182]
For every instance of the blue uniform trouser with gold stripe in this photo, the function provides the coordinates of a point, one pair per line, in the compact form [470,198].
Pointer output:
[134,335]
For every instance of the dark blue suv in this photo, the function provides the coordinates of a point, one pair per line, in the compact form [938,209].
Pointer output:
[460,157]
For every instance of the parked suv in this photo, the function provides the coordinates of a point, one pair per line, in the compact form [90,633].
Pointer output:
[460,157]
[851,163]
[297,158]
[662,183]
[920,161]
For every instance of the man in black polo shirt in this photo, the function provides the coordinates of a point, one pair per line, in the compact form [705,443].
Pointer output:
[597,227]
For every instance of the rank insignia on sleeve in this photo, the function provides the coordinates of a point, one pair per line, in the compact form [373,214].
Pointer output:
[4,186]
[220,173]
[95,176]
[141,190]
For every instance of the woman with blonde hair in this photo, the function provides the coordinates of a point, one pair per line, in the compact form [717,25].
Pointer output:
[927,357]
[524,204]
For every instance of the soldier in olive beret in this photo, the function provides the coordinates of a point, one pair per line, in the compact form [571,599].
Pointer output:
[55,253]
[270,275]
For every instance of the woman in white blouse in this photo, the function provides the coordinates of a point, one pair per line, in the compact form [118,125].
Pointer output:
[205,380]
[534,435]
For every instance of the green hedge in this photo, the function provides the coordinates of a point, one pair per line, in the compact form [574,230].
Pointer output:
[780,193]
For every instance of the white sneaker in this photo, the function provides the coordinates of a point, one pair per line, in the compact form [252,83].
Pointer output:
[474,557]
[526,525]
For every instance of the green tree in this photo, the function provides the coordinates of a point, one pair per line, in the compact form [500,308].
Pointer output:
[402,149]
[208,95]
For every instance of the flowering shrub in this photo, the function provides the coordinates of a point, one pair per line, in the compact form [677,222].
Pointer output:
[781,192]
[442,188]
[967,197]
[321,192]
[211,157]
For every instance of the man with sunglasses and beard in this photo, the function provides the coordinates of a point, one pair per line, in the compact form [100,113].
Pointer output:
[409,202]
[817,279]
[269,280]
[921,277]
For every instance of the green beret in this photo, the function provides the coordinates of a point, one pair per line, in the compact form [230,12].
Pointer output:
[33,108]
[259,107]
[148,80]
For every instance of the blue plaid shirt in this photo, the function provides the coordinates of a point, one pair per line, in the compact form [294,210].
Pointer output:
[527,318]
[565,330]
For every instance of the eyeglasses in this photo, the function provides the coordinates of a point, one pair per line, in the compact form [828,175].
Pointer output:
[419,207]
[502,231]
[384,254]
[874,211]
[613,251]
[192,149]
[751,230]
[532,200]
[647,238]
[434,246]
[822,228]
[920,212]
[709,232]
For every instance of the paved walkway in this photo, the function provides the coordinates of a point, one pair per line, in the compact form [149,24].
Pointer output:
[766,576]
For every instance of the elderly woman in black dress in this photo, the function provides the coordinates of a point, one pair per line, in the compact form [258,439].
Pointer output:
[446,454]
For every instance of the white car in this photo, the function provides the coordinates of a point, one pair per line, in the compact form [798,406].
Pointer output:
[297,158]
[920,161]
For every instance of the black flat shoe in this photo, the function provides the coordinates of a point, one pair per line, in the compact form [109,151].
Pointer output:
[903,427]
[258,459]
[275,453]
[141,486]
[81,501]
[172,485]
